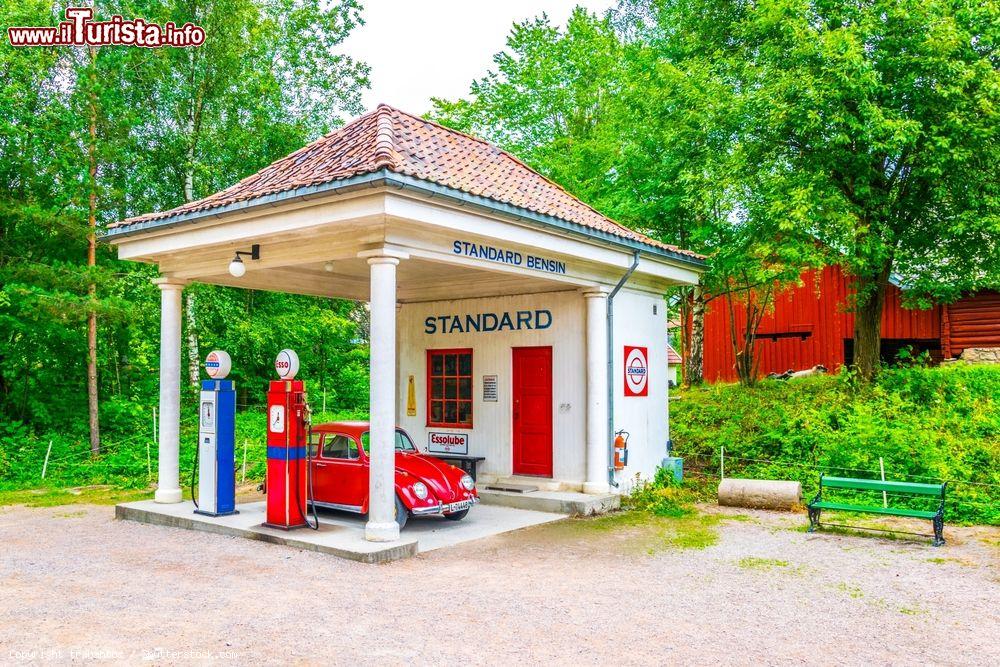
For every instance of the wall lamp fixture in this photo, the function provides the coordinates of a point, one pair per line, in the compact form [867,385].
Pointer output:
[237,268]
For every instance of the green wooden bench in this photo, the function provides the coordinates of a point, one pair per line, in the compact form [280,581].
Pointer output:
[911,489]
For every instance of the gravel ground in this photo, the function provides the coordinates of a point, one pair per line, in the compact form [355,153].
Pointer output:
[77,586]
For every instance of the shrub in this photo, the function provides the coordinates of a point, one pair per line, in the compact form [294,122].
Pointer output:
[928,424]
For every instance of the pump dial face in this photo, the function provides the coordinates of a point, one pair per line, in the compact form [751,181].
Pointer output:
[276,419]
[207,414]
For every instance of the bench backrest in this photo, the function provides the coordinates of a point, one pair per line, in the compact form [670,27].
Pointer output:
[912,488]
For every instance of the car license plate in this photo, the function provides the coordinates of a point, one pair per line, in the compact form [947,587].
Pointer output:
[459,506]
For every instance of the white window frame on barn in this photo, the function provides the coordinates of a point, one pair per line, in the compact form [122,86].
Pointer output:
[455,245]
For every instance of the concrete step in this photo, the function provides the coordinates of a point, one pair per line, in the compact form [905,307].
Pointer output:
[512,487]
[561,502]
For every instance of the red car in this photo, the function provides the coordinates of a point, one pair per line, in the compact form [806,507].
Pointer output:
[424,485]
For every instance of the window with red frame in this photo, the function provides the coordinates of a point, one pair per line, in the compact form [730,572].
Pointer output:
[449,388]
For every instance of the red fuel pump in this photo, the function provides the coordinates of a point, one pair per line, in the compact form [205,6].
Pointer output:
[287,435]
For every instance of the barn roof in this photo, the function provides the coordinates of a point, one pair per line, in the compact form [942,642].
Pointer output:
[388,140]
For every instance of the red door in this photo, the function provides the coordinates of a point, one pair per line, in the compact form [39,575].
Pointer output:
[532,384]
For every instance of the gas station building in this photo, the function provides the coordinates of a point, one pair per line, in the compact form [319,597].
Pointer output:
[509,320]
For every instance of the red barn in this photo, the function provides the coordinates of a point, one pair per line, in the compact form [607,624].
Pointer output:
[810,325]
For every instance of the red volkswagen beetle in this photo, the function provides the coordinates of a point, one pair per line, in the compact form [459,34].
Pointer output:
[424,485]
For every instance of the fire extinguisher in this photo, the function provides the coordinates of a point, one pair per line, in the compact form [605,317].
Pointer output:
[621,449]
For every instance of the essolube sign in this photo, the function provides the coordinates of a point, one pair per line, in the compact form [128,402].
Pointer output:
[519,320]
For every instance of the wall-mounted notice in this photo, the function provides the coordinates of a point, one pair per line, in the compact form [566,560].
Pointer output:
[490,392]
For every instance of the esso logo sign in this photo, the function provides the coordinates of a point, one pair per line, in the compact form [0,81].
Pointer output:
[636,371]
[286,364]
[218,364]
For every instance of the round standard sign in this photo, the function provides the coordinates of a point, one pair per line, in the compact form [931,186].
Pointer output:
[636,365]
[287,364]
[218,364]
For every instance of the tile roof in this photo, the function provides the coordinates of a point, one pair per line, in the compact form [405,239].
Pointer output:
[672,357]
[390,139]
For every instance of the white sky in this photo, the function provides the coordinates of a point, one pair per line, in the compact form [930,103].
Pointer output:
[418,49]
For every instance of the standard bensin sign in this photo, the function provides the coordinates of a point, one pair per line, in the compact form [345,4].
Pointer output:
[512,257]
[487,322]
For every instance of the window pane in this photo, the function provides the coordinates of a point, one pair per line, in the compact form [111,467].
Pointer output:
[465,412]
[403,442]
[437,412]
[451,364]
[465,388]
[451,412]
[451,388]
[437,365]
[437,388]
[465,364]
[339,447]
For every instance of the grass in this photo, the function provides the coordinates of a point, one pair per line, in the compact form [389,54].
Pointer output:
[852,591]
[755,563]
[926,424]
[94,495]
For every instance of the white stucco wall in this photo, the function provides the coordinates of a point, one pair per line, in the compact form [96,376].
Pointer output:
[491,433]
[491,436]
[644,417]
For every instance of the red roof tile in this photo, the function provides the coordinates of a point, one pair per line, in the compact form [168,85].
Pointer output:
[672,357]
[387,138]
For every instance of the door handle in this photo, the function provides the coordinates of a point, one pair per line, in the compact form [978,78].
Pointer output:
[319,464]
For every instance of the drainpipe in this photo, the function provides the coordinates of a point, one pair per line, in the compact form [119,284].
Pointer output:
[611,368]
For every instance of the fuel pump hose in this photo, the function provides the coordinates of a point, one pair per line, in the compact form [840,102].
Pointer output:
[310,496]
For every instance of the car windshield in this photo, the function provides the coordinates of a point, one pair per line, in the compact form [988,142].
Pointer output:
[403,442]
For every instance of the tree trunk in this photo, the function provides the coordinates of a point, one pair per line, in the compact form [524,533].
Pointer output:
[694,371]
[92,405]
[745,343]
[194,355]
[868,323]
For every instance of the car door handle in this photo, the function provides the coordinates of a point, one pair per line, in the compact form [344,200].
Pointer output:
[319,465]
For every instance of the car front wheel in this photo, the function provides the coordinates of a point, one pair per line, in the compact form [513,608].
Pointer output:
[401,513]
[457,516]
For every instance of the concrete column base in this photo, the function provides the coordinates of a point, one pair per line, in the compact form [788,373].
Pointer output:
[167,496]
[382,532]
[596,488]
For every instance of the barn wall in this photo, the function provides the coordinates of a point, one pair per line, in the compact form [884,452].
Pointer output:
[973,321]
[810,323]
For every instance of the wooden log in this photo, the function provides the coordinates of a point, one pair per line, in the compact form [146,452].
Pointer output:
[760,493]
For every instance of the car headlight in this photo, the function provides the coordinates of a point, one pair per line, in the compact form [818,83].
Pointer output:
[468,482]
[420,490]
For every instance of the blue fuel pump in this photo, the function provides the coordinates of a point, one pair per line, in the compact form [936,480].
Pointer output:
[217,439]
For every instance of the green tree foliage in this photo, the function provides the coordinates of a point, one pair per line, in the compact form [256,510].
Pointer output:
[269,78]
[770,136]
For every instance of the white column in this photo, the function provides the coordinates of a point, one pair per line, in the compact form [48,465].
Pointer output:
[168,488]
[382,526]
[597,391]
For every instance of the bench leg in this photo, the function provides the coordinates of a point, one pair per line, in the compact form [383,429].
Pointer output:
[938,531]
[813,519]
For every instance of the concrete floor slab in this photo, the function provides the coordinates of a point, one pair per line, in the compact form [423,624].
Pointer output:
[561,502]
[341,533]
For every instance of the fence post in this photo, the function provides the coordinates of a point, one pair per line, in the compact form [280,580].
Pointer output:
[881,467]
[45,466]
[722,463]
[244,462]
